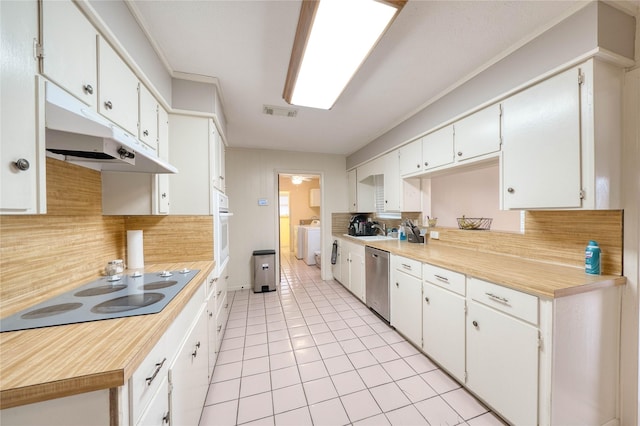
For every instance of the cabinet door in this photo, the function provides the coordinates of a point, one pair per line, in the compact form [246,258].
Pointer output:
[161,191]
[118,94]
[478,134]
[212,333]
[392,182]
[352,183]
[344,263]
[406,306]
[157,412]
[437,148]
[443,328]
[411,158]
[20,187]
[190,153]
[188,375]
[502,363]
[69,46]
[148,129]
[356,271]
[541,151]
[216,152]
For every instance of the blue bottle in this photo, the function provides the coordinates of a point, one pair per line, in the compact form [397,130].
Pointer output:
[592,258]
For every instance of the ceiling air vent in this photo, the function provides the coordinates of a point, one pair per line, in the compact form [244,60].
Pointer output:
[282,112]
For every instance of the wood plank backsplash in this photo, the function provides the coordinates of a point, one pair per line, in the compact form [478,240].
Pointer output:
[550,236]
[45,255]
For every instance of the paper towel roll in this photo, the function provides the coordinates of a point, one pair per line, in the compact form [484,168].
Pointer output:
[135,250]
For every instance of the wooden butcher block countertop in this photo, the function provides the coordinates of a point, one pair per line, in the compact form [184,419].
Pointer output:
[53,362]
[537,278]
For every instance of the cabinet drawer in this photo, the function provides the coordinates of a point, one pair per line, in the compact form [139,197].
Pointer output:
[408,266]
[147,378]
[452,281]
[158,411]
[512,302]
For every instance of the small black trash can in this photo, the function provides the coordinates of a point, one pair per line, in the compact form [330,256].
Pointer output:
[264,271]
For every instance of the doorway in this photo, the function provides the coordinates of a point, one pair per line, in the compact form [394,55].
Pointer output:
[299,212]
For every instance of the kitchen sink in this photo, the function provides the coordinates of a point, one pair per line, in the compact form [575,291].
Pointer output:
[372,237]
[104,298]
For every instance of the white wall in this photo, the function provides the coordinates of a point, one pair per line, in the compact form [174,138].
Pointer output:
[252,174]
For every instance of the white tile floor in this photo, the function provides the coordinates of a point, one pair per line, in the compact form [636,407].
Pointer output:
[312,354]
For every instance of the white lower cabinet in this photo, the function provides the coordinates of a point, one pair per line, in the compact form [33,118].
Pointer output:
[351,266]
[405,295]
[188,378]
[502,363]
[443,328]
[157,412]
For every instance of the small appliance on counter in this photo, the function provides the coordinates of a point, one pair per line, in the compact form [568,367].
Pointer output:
[360,226]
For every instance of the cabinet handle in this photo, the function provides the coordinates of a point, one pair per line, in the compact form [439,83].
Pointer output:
[108,105]
[426,299]
[218,293]
[226,305]
[426,164]
[164,195]
[88,89]
[418,165]
[475,324]
[165,418]
[510,190]
[498,298]
[22,164]
[459,153]
[398,285]
[219,328]
[405,266]
[441,278]
[195,352]
[155,373]
[146,133]
[226,277]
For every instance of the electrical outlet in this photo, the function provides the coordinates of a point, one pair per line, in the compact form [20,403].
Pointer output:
[435,235]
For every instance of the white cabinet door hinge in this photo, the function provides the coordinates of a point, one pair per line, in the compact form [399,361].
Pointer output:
[540,343]
[582,194]
[38,50]
[580,77]
[465,377]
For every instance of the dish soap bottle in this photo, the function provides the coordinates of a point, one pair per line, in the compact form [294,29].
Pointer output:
[592,258]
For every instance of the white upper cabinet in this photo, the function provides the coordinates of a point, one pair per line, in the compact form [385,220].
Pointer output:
[411,158]
[437,148]
[541,153]
[392,182]
[148,128]
[22,177]
[352,183]
[218,158]
[118,91]
[69,50]
[478,134]
[161,190]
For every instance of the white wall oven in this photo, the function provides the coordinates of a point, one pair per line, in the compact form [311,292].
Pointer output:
[221,217]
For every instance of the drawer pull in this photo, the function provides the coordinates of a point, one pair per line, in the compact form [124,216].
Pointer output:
[155,373]
[195,352]
[398,285]
[405,266]
[498,298]
[226,306]
[210,314]
[441,278]
[219,328]
[165,418]
[218,293]
[475,324]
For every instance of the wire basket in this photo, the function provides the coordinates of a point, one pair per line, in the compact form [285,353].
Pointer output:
[475,223]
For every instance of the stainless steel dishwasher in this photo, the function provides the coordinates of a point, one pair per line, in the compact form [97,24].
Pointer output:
[377,280]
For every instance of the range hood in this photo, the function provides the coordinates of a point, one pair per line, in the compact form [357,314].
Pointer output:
[84,137]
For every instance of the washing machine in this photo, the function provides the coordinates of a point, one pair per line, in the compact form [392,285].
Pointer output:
[311,243]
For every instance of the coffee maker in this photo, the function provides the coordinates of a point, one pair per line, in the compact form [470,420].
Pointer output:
[360,226]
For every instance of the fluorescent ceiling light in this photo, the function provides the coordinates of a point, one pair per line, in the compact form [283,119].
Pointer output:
[333,39]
